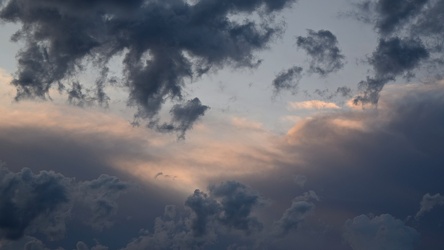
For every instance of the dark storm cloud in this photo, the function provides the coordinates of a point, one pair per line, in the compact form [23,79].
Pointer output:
[183,117]
[322,47]
[237,202]
[42,203]
[288,79]
[393,57]
[390,15]
[26,197]
[396,56]
[343,91]
[163,42]
[228,206]
[378,161]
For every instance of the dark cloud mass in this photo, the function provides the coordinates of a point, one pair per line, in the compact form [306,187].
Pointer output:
[26,197]
[410,36]
[163,42]
[390,15]
[322,47]
[43,203]
[392,57]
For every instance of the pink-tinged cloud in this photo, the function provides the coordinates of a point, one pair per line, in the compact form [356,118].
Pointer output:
[312,104]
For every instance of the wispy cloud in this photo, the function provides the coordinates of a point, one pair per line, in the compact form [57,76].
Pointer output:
[313,104]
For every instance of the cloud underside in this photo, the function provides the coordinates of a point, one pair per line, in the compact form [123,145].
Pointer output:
[356,162]
[163,43]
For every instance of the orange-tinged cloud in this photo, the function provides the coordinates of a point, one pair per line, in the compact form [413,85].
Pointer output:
[313,104]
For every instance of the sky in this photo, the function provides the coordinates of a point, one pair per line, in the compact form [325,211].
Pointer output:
[221,124]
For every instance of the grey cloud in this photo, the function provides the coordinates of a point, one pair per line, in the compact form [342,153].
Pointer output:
[237,202]
[164,43]
[380,232]
[396,56]
[100,196]
[340,91]
[362,162]
[183,117]
[344,91]
[420,23]
[43,203]
[204,209]
[300,208]
[227,206]
[391,15]
[393,57]
[25,197]
[322,47]
[288,79]
[429,202]
[25,243]
[83,246]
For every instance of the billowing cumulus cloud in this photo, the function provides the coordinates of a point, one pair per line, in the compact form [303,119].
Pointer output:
[227,206]
[27,197]
[300,208]
[42,203]
[163,44]
[322,47]
[380,232]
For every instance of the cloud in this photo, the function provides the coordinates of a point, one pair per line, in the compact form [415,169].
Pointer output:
[27,197]
[227,206]
[409,42]
[380,232]
[389,16]
[313,104]
[163,45]
[288,79]
[429,202]
[300,208]
[322,47]
[183,117]
[393,57]
[42,203]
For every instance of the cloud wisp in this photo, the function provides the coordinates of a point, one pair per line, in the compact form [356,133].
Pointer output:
[322,48]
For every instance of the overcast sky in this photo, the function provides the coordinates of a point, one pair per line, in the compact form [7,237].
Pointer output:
[221,124]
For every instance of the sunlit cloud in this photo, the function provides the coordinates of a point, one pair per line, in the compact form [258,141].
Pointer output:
[312,104]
